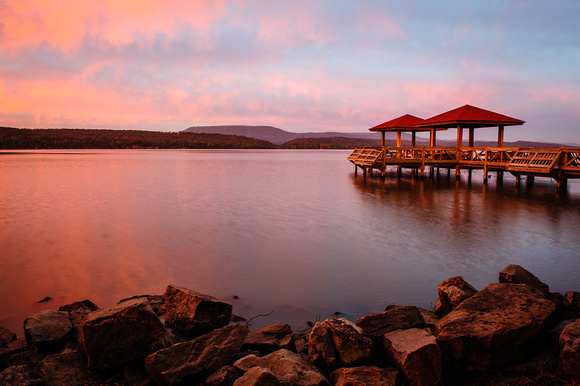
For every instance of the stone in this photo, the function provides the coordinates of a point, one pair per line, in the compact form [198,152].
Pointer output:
[289,368]
[452,292]
[270,339]
[190,362]
[77,312]
[570,349]
[352,346]
[257,376]
[48,330]
[15,347]
[111,337]
[502,323]
[364,375]
[417,355]
[155,301]
[224,376]
[193,312]
[67,369]
[6,336]
[20,379]
[429,317]
[394,318]
[574,300]
[321,350]
[517,274]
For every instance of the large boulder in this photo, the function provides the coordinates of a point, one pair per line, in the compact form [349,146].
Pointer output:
[48,330]
[500,324]
[270,339]
[77,312]
[364,375]
[196,359]
[289,368]
[110,337]
[258,376]
[416,354]
[517,274]
[394,318]
[352,346]
[452,292]
[570,349]
[193,312]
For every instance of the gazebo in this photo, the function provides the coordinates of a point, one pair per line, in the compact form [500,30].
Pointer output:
[405,123]
[467,117]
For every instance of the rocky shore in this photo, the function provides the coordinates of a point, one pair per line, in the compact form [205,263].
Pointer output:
[512,332]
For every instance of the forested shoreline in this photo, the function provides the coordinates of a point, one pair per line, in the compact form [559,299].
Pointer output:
[14,139]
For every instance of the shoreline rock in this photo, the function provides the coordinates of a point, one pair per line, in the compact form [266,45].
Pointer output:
[509,332]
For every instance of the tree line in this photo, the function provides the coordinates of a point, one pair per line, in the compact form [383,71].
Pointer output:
[13,138]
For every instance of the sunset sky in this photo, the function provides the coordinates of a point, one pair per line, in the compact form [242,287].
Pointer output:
[312,65]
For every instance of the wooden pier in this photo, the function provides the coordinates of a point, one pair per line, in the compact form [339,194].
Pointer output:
[560,164]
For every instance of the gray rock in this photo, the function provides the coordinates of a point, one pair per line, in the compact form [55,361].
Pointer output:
[110,337]
[452,292]
[289,368]
[270,339]
[517,274]
[502,323]
[394,318]
[364,375]
[193,312]
[258,376]
[48,330]
[416,354]
[570,349]
[192,361]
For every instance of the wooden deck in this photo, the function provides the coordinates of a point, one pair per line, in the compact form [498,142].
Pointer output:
[560,164]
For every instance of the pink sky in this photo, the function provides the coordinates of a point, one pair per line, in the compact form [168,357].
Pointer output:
[297,65]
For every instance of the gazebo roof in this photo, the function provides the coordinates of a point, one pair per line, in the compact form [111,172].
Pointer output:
[405,122]
[469,116]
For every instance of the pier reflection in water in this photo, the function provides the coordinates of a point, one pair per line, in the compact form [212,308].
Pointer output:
[293,232]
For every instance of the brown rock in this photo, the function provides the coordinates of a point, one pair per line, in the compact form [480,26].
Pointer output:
[18,379]
[13,348]
[364,375]
[394,318]
[224,376]
[258,376]
[416,354]
[67,369]
[85,305]
[321,350]
[574,300]
[270,339]
[192,361]
[352,346]
[500,324]
[516,274]
[289,368]
[110,337]
[6,336]
[452,292]
[570,349]
[193,312]
[48,330]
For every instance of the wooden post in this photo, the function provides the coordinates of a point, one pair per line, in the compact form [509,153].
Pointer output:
[485,167]
[500,136]
[471,136]
[382,138]
[398,138]
[413,135]
[517,180]
[433,137]
[355,169]
[562,184]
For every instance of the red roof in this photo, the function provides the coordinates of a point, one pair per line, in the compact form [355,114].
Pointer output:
[469,116]
[406,122]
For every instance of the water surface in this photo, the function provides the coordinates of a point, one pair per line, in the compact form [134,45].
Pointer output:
[294,232]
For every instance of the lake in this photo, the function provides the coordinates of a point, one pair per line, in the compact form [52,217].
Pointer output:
[289,231]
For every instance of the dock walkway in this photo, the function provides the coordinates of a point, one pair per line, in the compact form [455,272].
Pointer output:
[560,164]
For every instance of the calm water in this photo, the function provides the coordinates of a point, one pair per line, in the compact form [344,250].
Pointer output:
[294,232]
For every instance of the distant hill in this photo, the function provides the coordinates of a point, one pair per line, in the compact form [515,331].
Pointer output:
[273,134]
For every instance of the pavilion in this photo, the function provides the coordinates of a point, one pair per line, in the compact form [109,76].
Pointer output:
[405,123]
